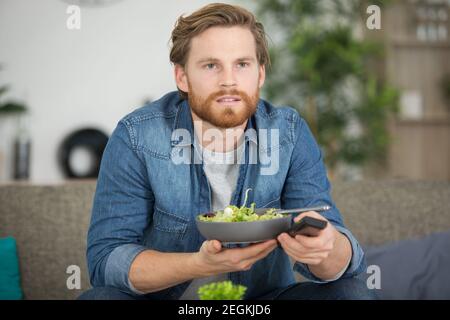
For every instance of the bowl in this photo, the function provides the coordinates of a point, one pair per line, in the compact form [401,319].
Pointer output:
[244,232]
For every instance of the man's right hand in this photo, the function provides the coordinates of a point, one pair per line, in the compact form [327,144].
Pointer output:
[212,258]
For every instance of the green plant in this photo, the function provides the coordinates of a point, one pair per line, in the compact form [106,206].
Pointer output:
[10,107]
[321,68]
[224,290]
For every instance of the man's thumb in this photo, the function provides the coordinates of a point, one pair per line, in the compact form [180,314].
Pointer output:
[214,246]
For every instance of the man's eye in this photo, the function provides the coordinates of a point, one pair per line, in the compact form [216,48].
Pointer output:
[243,64]
[210,66]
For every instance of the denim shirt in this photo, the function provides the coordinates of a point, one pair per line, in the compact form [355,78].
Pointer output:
[146,198]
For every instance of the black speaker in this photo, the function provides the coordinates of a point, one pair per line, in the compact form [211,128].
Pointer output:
[81,152]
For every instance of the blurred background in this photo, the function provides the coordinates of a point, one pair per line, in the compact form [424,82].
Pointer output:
[371,78]
[377,100]
[70,79]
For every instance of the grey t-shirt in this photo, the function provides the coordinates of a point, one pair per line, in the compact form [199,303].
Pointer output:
[222,171]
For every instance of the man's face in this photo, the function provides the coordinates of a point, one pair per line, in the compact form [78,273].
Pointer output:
[222,76]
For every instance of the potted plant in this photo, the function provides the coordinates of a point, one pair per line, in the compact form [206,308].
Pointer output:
[10,107]
[322,69]
[22,140]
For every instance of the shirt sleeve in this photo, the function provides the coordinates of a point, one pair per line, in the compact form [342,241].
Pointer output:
[307,185]
[122,208]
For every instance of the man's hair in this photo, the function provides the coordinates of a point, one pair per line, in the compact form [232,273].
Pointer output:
[215,15]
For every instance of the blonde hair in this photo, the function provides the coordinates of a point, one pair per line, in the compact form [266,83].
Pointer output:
[213,15]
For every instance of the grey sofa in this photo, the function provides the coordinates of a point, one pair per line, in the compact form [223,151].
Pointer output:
[50,223]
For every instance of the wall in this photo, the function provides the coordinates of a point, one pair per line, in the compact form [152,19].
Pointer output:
[78,78]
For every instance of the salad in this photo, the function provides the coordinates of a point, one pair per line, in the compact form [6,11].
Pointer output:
[240,214]
[225,290]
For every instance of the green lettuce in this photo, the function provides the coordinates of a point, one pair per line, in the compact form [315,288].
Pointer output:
[224,290]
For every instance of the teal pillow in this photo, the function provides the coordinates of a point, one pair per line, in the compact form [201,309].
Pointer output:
[9,270]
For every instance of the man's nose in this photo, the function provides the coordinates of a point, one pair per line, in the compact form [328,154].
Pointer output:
[228,79]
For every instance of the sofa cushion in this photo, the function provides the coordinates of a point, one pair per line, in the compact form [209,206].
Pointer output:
[9,270]
[413,269]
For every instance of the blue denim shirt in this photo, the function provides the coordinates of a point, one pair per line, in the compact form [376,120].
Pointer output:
[146,200]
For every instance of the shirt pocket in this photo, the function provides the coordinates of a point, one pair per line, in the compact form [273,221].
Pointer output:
[169,223]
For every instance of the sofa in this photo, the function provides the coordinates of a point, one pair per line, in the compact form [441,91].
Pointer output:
[50,223]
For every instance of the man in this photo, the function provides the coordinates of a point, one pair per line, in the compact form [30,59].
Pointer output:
[192,152]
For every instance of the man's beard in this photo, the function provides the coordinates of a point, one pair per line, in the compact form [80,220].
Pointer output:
[223,116]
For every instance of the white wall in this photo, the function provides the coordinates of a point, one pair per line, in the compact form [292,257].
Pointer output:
[78,78]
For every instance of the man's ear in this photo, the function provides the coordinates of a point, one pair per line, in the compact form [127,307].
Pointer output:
[181,78]
[262,76]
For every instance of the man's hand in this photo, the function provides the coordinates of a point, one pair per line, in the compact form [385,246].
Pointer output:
[213,259]
[326,254]
[153,271]
[309,250]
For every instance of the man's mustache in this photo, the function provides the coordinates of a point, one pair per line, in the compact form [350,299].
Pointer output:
[218,94]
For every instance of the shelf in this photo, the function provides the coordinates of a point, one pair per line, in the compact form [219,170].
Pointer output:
[428,122]
[419,44]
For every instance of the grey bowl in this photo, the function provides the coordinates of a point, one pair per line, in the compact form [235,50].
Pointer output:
[243,232]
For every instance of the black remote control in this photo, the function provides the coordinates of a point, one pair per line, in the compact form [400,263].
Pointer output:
[307,226]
